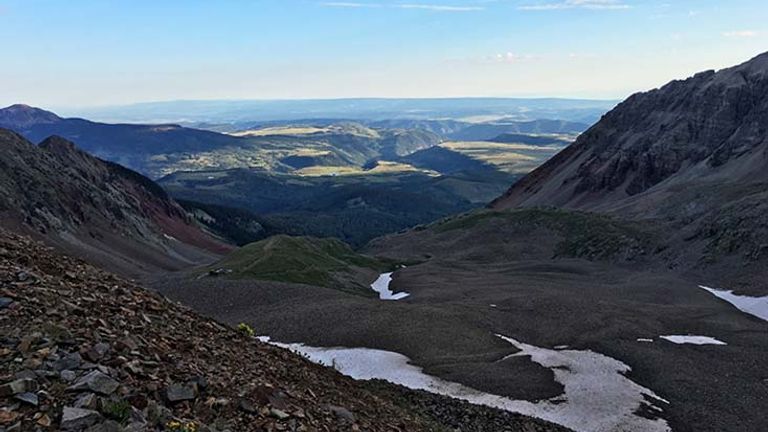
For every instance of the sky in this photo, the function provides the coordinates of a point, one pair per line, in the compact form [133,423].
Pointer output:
[80,53]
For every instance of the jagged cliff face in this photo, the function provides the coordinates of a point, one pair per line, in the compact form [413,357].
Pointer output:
[709,127]
[94,207]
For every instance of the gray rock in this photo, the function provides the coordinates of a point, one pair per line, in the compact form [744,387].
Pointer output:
[18,386]
[87,401]
[97,352]
[247,407]
[158,414]
[70,361]
[178,393]
[96,381]
[29,398]
[278,414]
[68,375]
[25,374]
[78,418]
[342,413]
[107,426]
[5,302]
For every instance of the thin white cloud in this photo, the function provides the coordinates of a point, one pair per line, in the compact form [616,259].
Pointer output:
[741,34]
[577,4]
[510,57]
[440,7]
[349,5]
[423,6]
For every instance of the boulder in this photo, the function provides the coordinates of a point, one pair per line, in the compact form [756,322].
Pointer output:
[77,418]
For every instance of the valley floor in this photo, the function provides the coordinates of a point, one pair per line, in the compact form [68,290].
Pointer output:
[449,325]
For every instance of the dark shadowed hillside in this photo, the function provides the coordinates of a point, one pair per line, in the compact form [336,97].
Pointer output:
[96,209]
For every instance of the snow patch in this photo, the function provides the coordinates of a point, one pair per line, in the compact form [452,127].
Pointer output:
[381,286]
[757,306]
[645,340]
[695,340]
[598,395]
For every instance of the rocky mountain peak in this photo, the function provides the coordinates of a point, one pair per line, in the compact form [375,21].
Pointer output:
[21,116]
[57,144]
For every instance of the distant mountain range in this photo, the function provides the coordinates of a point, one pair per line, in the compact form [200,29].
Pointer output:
[285,146]
[373,109]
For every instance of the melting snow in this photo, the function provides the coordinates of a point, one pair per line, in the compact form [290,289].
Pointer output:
[598,395]
[695,340]
[381,286]
[757,306]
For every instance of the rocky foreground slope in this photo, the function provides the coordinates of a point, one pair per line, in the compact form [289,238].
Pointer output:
[81,349]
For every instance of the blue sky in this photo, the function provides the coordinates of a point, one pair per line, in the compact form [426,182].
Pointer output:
[100,52]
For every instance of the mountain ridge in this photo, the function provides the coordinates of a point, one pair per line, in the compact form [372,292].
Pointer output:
[95,208]
[690,156]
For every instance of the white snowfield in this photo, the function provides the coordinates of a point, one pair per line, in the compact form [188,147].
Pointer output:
[757,306]
[381,286]
[598,395]
[694,340]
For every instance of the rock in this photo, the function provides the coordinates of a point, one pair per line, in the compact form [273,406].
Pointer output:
[107,426]
[25,374]
[60,334]
[138,401]
[29,398]
[247,407]
[8,416]
[32,363]
[78,418]
[137,417]
[87,401]
[18,386]
[22,276]
[70,361]
[178,393]
[279,414]
[199,383]
[158,414]
[67,375]
[96,381]
[13,428]
[26,343]
[97,352]
[5,302]
[134,367]
[342,413]
[44,421]
[126,344]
